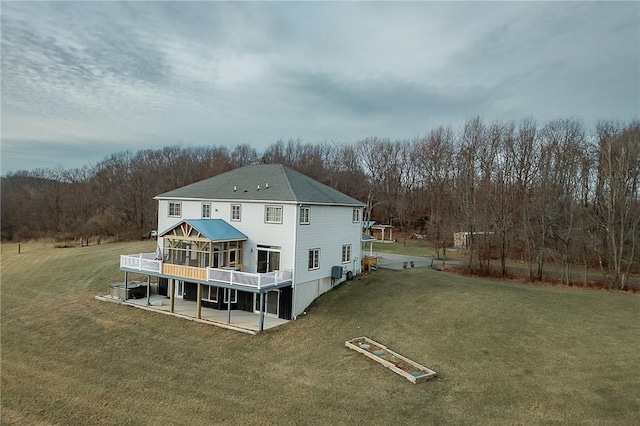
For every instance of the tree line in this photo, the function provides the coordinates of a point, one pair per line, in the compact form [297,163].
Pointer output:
[538,193]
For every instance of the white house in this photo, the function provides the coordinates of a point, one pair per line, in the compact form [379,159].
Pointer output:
[260,238]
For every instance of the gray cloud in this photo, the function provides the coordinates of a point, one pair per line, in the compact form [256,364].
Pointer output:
[147,74]
[372,98]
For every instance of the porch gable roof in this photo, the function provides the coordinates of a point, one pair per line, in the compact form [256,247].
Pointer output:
[213,229]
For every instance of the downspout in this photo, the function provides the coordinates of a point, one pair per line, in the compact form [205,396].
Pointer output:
[295,270]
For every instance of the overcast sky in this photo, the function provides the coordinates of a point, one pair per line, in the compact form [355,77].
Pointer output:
[81,80]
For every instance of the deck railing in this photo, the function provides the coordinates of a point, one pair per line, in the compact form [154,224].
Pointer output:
[142,262]
[146,262]
[249,279]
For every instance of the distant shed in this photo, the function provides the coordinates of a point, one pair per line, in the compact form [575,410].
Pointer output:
[463,239]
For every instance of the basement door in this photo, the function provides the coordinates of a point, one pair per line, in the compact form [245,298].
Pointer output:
[271,302]
[179,292]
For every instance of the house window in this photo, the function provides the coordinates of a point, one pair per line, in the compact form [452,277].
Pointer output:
[273,214]
[206,211]
[175,209]
[305,215]
[233,293]
[346,253]
[356,215]
[235,212]
[314,259]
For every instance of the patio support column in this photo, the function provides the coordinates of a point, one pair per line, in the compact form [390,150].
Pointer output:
[126,281]
[261,323]
[172,290]
[228,305]
[199,302]
[148,290]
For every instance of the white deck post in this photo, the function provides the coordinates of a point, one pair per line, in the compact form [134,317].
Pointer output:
[228,305]
[148,290]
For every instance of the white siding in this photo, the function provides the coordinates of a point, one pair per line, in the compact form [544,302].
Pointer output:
[330,228]
[307,292]
[252,224]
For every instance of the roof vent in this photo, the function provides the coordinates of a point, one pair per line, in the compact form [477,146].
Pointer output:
[258,187]
[266,185]
[235,189]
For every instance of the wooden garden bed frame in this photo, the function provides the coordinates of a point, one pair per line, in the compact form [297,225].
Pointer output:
[417,373]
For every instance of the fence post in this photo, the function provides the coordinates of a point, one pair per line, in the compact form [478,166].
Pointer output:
[140,263]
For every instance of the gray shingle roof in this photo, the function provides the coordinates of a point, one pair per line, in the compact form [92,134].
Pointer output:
[275,181]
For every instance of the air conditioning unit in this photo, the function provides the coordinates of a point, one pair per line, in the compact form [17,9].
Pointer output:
[336,272]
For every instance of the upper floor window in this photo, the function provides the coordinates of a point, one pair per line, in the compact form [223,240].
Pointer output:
[305,215]
[314,258]
[273,214]
[346,253]
[206,211]
[235,212]
[175,209]
[356,215]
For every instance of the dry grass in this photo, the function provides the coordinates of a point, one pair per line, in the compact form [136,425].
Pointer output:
[515,269]
[505,353]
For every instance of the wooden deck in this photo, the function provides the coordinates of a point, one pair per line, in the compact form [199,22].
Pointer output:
[145,263]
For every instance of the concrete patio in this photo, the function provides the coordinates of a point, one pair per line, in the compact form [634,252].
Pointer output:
[247,322]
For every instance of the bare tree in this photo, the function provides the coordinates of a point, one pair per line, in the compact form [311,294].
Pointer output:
[523,152]
[616,211]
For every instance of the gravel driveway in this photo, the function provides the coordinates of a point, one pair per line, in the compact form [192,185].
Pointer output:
[395,261]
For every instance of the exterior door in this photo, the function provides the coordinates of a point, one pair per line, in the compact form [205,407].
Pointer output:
[179,289]
[268,261]
[271,302]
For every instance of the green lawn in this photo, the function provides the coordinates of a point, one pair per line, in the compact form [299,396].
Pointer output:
[505,352]
[409,247]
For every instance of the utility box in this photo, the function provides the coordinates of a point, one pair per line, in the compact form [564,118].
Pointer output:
[336,272]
